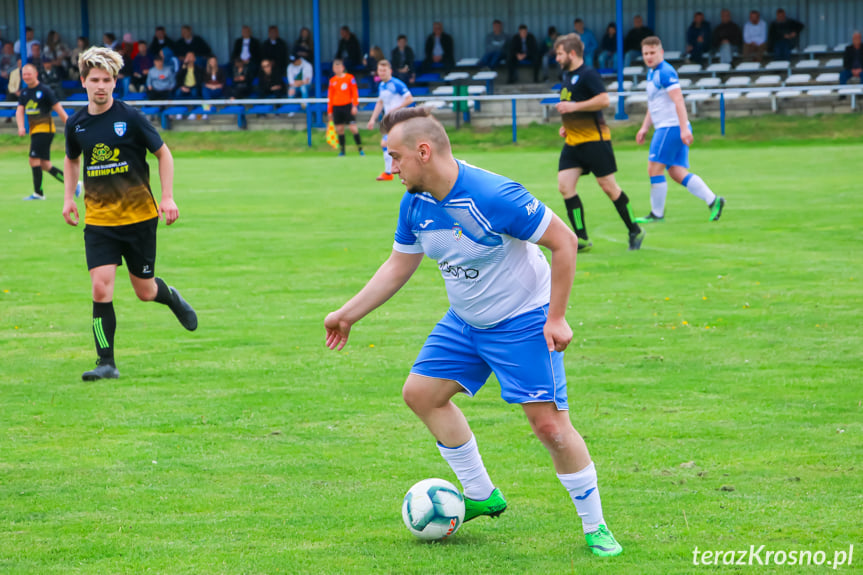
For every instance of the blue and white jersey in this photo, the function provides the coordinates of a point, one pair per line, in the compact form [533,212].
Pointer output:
[483,236]
[660,81]
[392,93]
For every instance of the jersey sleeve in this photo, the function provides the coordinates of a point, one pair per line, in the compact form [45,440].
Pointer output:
[50,97]
[23,97]
[73,147]
[355,93]
[518,214]
[405,240]
[593,81]
[401,87]
[149,136]
[668,78]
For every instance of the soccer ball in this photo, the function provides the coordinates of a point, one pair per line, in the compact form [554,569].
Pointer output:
[433,509]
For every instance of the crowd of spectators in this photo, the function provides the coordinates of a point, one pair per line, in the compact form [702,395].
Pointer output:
[185,67]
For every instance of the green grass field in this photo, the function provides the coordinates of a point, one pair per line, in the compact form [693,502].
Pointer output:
[715,375]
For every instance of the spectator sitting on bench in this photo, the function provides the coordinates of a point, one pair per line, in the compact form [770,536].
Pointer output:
[852,60]
[495,46]
[214,80]
[523,50]
[440,50]
[403,59]
[241,80]
[727,37]
[160,80]
[549,59]
[349,51]
[608,48]
[632,41]
[248,49]
[784,36]
[588,39]
[300,74]
[754,37]
[270,82]
[141,65]
[698,38]
[190,79]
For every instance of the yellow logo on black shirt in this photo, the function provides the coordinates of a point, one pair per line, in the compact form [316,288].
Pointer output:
[103,153]
[565,95]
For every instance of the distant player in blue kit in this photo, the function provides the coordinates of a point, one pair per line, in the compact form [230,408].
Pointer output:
[507,311]
[392,95]
[672,137]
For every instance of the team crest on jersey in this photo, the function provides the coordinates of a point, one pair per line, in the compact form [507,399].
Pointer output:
[456,231]
[574,79]
[120,128]
[532,207]
[38,94]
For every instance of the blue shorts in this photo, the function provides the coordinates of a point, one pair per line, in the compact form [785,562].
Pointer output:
[515,350]
[667,148]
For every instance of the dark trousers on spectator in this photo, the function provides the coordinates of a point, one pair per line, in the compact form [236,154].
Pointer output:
[513,64]
[159,95]
[846,75]
[782,49]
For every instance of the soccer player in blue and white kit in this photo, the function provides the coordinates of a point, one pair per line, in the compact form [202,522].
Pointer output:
[392,95]
[507,311]
[672,137]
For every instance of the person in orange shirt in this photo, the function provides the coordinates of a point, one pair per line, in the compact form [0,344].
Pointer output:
[342,101]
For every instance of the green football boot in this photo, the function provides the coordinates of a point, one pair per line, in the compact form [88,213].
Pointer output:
[584,245]
[603,543]
[650,218]
[716,208]
[493,506]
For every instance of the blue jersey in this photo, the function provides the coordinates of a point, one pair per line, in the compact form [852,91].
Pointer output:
[660,81]
[392,93]
[483,237]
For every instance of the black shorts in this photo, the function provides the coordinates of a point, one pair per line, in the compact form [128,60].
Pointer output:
[342,115]
[135,243]
[596,157]
[40,145]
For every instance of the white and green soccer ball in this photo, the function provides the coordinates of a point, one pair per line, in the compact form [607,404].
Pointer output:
[433,509]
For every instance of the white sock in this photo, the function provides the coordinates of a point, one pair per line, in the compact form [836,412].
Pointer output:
[388,161]
[585,494]
[658,191]
[467,463]
[698,188]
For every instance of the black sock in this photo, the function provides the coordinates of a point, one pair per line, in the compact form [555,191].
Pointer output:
[104,326]
[625,211]
[358,140]
[163,295]
[37,180]
[575,211]
[56,172]
[342,143]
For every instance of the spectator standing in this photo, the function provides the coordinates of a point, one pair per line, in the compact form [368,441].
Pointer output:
[523,50]
[608,48]
[852,60]
[784,36]
[439,50]
[305,44]
[632,41]
[241,81]
[588,39]
[727,37]
[189,42]
[698,38]
[30,41]
[141,65]
[275,49]
[214,80]
[549,59]
[495,46]
[348,49]
[160,80]
[403,61]
[754,37]
[270,82]
[248,49]
[160,40]
[300,75]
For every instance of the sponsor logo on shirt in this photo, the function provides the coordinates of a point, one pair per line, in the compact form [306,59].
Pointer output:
[532,207]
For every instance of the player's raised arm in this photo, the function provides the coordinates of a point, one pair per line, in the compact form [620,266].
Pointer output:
[389,279]
[167,207]
[563,245]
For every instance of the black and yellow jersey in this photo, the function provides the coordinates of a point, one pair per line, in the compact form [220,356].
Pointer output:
[114,146]
[37,102]
[580,85]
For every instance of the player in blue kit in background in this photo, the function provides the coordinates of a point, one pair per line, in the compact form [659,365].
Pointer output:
[672,137]
[392,95]
[506,303]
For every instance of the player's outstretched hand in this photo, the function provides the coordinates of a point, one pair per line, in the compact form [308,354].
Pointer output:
[686,137]
[70,212]
[338,330]
[557,333]
[168,211]
[641,136]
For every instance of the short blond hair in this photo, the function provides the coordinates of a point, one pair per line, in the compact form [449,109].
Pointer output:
[102,58]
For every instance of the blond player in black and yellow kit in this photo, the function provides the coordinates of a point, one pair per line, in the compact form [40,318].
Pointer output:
[36,103]
[588,140]
[112,140]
